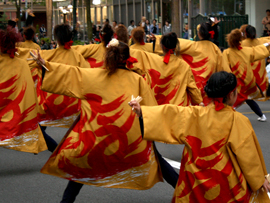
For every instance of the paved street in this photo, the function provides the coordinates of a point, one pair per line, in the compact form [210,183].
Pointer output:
[21,181]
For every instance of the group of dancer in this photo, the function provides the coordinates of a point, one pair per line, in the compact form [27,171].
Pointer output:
[189,90]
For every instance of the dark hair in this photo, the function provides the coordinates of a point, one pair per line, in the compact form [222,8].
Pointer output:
[116,55]
[29,33]
[170,41]
[122,33]
[268,10]
[167,21]
[251,32]
[220,84]
[120,23]
[115,21]
[132,21]
[107,34]
[62,33]
[234,38]
[107,20]
[204,30]
[12,23]
[8,39]
[137,34]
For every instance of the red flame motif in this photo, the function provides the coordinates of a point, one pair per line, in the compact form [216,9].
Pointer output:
[208,177]
[200,80]
[100,164]
[66,108]
[246,89]
[157,81]
[261,81]
[93,63]
[16,126]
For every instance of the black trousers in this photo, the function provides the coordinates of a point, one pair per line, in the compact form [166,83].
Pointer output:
[169,174]
[255,107]
[51,143]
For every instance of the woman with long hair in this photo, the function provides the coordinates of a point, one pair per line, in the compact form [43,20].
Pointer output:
[239,59]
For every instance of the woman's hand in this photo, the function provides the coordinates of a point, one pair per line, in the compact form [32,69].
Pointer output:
[136,107]
[266,185]
[201,104]
[40,61]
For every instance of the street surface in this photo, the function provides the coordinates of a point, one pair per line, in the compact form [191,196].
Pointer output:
[21,181]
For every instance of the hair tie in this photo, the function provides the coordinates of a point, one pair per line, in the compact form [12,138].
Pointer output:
[142,43]
[239,47]
[11,52]
[130,62]
[97,40]
[219,101]
[113,43]
[212,33]
[168,55]
[100,35]
[68,44]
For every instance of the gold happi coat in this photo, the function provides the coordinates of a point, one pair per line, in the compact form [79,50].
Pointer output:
[19,129]
[172,83]
[258,67]
[28,44]
[146,47]
[56,110]
[93,53]
[222,159]
[104,147]
[240,64]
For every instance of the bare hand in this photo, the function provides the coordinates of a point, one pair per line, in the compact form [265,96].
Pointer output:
[201,104]
[216,20]
[266,185]
[40,61]
[136,107]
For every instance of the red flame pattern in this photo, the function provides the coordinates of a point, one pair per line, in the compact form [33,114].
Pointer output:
[207,177]
[16,126]
[261,81]
[93,63]
[200,80]
[100,164]
[157,81]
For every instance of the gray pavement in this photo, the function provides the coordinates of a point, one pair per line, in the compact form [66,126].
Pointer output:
[21,181]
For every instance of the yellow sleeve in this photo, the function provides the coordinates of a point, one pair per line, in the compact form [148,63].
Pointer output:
[186,46]
[147,94]
[193,91]
[248,153]
[259,52]
[66,80]
[86,50]
[222,65]
[167,123]
[264,40]
[225,60]
[83,62]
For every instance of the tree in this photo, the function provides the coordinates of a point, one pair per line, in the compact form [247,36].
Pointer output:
[89,22]
[18,12]
[49,18]
[175,17]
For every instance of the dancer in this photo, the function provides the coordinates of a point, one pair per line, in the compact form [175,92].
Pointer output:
[94,53]
[121,34]
[19,129]
[239,59]
[258,67]
[138,36]
[28,34]
[227,165]
[104,147]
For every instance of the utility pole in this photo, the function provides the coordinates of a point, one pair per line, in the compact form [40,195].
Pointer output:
[49,18]
[175,17]
[74,14]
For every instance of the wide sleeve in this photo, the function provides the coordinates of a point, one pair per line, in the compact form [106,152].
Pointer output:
[248,153]
[186,46]
[167,123]
[193,91]
[147,94]
[225,59]
[222,64]
[258,53]
[86,50]
[66,80]
[83,62]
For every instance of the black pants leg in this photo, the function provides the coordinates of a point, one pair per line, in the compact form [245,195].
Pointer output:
[71,192]
[51,143]
[167,170]
[255,107]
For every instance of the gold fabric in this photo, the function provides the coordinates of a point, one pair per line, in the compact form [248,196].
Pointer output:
[19,129]
[104,147]
[222,159]
[240,63]
[29,44]
[56,110]
[258,67]
[146,47]
[172,83]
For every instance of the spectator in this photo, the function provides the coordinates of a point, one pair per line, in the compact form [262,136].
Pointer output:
[147,27]
[185,35]
[106,21]
[266,23]
[154,28]
[43,45]
[53,45]
[120,23]
[131,27]
[42,31]
[115,24]
[167,28]
[143,22]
